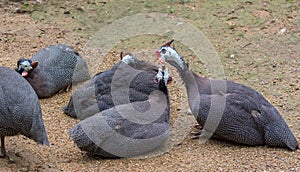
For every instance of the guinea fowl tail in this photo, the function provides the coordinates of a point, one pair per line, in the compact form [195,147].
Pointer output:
[280,136]
[276,131]
[38,132]
[69,109]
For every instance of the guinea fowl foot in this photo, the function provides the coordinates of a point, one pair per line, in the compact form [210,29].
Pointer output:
[197,131]
[3,155]
[196,135]
[198,127]
[66,89]
[6,157]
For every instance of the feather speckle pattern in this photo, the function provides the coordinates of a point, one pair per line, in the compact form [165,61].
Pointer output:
[20,111]
[58,67]
[127,129]
[231,111]
[123,83]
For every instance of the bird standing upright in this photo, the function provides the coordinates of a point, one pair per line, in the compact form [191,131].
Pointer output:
[20,111]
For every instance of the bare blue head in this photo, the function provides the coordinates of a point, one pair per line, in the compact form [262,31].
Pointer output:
[25,66]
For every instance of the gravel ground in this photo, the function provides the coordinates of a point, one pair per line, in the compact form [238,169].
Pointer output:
[22,36]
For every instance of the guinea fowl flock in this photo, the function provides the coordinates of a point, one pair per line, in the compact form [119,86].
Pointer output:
[125,111]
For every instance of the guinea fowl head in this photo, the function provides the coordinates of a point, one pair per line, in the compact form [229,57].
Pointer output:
[170,55]
[25,66]
[128,58]
[163,76]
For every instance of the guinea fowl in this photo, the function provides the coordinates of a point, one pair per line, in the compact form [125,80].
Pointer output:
[20,111]
[52,69]
[104,90]
[127,130]
[247,117]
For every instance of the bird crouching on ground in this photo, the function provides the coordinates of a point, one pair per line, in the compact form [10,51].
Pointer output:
[127,130]
[52,69]
[242,114]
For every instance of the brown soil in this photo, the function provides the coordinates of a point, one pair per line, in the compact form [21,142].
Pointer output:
[265,58]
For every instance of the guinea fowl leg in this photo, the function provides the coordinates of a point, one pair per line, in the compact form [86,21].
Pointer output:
[3,151]
[68,88]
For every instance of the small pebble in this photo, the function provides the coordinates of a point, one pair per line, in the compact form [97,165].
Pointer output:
[282,31]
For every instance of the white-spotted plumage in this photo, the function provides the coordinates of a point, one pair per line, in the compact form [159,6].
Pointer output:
[111,133]
[20,111]
[242,114]
[57,67]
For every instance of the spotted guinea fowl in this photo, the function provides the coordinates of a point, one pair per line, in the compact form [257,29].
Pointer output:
[247,117]
[20,111]
[53,68]
[127,130]
[103,92]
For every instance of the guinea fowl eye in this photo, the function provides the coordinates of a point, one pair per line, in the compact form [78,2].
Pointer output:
[164,51]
